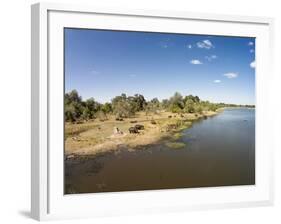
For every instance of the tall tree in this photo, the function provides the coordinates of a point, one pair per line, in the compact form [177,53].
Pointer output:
[176,103]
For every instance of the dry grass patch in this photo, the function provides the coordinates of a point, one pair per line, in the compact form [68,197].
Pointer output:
[93,137]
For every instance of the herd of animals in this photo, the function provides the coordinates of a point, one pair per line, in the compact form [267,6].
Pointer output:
[135,129]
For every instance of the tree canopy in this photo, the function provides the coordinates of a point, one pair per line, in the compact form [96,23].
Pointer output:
[124,106]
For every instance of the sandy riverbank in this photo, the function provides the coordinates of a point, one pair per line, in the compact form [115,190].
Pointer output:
[95,137]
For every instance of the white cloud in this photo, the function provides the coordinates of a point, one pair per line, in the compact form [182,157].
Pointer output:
[251,43]
[189,46]
[212,57]
[163,45]
[206,44]
[253,64]
[252,50]
[196,62]
[217,81]
[95,72]
[166,43]
[231,75]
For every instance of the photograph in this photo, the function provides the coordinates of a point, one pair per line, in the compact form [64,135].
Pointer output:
[154,111]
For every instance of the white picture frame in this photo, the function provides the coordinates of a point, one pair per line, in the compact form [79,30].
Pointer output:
[48,201]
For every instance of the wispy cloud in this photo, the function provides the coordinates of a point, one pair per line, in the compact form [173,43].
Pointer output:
[252,50]
[195,62]
[217,81]
[163,45]
[231,75]
[205,44]
[251,43]
[253,64]
[189,46]
[94,72]
[166,43]
[211,57]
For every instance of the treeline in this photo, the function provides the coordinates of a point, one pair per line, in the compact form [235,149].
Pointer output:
[124,106]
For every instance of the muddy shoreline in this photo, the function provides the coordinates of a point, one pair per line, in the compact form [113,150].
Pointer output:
[160,138]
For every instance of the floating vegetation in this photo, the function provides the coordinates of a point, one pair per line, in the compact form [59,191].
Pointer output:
[177,136]
[175,145]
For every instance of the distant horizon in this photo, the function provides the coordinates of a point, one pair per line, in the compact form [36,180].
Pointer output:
[104,64]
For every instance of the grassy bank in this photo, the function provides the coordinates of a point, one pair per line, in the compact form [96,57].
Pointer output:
[94,137]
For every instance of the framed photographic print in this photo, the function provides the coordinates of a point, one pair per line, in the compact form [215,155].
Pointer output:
[138,111]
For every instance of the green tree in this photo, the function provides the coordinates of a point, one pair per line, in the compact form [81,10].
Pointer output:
[107,108]
[73,96]
[189,106]
[165,104]
[122,106]
[140,102]
[86,114]
[73,106]
[198,108]
[155,104]
[174,108]
[69,113]
[101,115]
[152,106]
[176,103]
[213,107]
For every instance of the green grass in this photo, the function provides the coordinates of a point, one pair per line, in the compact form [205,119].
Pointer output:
[175,145]
[177,136]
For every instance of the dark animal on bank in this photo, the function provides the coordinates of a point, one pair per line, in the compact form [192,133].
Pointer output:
[153,122]
[169,116]
[171,127]
[139,126]
[119,119]
[133,122]
[133,130]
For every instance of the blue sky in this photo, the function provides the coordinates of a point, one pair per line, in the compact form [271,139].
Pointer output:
[103,64]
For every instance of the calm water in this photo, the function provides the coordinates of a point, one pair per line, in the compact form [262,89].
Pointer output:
[219,151]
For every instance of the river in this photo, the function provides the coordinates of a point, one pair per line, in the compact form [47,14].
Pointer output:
[219,151]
